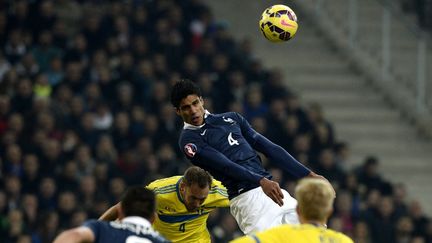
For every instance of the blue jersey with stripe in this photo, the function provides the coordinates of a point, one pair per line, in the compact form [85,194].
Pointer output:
[129,230]
[226,145]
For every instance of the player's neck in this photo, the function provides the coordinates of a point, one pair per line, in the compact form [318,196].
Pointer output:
[316,223]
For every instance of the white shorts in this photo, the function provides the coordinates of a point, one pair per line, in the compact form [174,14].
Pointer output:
[255,211]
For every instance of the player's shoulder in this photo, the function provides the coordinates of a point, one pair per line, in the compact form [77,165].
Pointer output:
[91,223]
[327,233]
[338,235]
[283,229]
[217,184]
[188,134]
[164,185]
[218,188]
[292,229]
[229,114]
[96,226]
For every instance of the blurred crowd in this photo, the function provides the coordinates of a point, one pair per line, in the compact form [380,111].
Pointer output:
[422,10]
[85,112]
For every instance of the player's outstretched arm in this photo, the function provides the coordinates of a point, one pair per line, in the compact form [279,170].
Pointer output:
[76,235]
[272,150]
[111,214]
[275,152]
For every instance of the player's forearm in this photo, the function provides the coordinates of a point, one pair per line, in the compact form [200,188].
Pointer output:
[69,236]
[273,151]
[76,235]
[111,214]
[283,158]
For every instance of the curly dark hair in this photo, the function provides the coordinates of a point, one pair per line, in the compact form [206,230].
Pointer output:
[182,89]
[138,201]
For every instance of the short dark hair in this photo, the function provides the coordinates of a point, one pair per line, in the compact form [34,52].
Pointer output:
[138,201]
[198,176]
[182,89]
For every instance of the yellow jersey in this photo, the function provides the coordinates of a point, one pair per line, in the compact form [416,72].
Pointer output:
[304,233]
[174,221]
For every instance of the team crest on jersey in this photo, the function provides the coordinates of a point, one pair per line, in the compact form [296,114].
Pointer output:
[190,149]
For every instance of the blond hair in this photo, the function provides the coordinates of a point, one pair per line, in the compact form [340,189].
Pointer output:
[315,198]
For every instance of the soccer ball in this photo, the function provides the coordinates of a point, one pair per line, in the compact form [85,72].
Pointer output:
[278,23]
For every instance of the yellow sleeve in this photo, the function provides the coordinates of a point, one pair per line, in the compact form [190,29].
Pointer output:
[346,239]
[151,186]
[163,184]
[218,196]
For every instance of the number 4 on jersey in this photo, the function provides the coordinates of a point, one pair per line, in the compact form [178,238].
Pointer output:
[231,140]
[182,227]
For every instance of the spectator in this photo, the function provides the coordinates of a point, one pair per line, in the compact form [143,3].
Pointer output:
[383,221]
[15,48]
[44,52]
[49,227]
[16,226]
[4,66]
[404,229]
[361,233]
[66,204]
[13,187]
[326,166]
[47,194]
[30,210]
[68,177]
[254,105]
[30,177]
[418,219]
[105,150]
[369,176]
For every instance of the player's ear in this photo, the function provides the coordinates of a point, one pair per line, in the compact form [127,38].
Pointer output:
[330,213]
[177,110]
[202,100]
[182,186]
[299,214]
[152,218]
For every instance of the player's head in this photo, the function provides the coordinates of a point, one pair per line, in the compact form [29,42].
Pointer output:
[195,187]
[187,100]
[315,200]
[138,201]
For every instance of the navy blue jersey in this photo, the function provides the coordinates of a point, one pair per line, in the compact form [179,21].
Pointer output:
[226,146]
[129,230]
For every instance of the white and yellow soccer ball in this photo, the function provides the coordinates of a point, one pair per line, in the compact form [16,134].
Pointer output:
[278,23]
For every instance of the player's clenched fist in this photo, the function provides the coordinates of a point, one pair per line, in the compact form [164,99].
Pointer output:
[273,190]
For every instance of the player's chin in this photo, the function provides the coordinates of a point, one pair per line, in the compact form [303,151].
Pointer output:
[196,121]
[192,209]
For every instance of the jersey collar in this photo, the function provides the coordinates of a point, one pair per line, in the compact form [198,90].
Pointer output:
[317,224]
[193,127]
[137,220]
